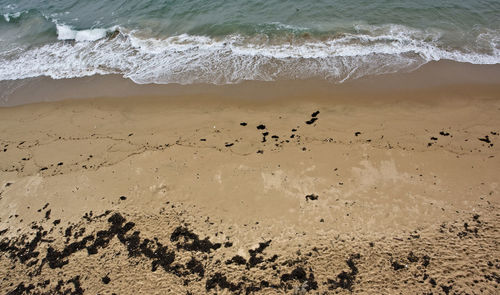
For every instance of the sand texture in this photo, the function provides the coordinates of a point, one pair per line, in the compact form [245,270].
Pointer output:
[145,196]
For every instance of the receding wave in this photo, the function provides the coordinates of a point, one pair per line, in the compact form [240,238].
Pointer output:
[199,59]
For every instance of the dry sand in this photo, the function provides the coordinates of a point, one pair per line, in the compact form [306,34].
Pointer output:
[198,195]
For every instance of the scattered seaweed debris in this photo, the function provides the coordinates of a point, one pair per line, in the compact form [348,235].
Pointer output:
[312,197]
[412,257]
[311,121]
[22,289]
[485,139]
[299,274]
[237,260]
[71,286]
[426,260]
[192,241]
[196,267]
[254,259]
[446,289]
[220,280]
[345,280]
[397,266]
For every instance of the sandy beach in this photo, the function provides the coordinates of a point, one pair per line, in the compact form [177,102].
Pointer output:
[378,186]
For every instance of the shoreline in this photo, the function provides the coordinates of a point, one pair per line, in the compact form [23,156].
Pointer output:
[442,78]
[388,183]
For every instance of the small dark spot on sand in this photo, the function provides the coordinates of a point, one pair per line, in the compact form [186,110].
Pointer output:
[426,260]
[261,127]
[243,124]
[444,133]
[123,198]
[446,289]
[60,164]
[357,133]
[106,280]
[203,139]
[229,144]
[434,138]
[315,114]
[57,221]
[260,152]
[43,168]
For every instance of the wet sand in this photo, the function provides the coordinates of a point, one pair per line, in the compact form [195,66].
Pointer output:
[345,189]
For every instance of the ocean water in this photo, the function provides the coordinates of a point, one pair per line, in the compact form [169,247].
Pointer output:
[220,42]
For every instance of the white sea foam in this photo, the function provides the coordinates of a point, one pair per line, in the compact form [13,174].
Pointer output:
[190,59]
[8,16]
[65,32]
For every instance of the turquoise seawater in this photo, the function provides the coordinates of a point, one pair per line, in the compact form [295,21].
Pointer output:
[221,41]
